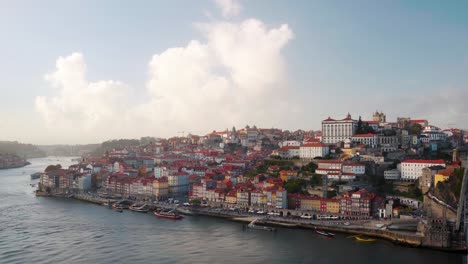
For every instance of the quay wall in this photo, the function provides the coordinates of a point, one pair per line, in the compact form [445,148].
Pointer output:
[402,238]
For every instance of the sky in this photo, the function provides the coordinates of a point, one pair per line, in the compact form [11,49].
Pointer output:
[75,72]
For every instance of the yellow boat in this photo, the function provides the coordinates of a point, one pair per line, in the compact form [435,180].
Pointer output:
[363,239]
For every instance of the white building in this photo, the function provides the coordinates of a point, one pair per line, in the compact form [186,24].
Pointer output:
[160,172]
[293,143]
[327,166]
[287,152]
[368,139]
[433,133]
[312,150]
[412,169]
[334,131]
[281,199]
[354,168]
[340,176]
[116,167]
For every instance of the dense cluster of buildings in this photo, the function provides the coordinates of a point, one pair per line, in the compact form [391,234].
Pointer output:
[213,168]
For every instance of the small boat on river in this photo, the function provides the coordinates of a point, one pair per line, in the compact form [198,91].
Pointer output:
[118,208]
[363,239]
[323,233]
[36,175]
[254,226]
[139,208]
[169,215]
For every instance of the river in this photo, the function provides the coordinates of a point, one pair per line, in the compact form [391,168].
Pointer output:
[60,230]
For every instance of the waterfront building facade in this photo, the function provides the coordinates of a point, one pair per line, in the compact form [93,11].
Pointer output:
[178,184]
[358,203]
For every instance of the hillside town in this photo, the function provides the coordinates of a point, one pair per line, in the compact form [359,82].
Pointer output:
[352,169]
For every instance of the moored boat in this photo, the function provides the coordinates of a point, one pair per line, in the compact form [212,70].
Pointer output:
[252,225]
[360,238]
[36,175]
[119,209]
[169,215]
[141,209]
[323,233]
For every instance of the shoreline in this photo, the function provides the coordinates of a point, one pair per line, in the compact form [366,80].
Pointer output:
[398,238]
[391,236]
[16,166]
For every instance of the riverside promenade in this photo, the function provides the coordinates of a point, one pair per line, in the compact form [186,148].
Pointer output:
[357,227]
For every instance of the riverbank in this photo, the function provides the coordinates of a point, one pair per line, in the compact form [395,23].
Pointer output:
[402,238]
[6,166]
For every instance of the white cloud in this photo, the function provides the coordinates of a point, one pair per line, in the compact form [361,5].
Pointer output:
[229,8]
[235,76]
[79,105]
[212,84]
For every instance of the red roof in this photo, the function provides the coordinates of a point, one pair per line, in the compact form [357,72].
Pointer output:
[329,119]
[289,147]
[418,121]
[371,122]
[312,140]
[364,135]
[317,144]
[331,161]
[439,161]
[353,164]
[446,172]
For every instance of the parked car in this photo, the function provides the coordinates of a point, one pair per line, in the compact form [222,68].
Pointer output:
[306,216]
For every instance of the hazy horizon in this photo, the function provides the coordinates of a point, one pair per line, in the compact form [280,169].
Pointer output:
[82,72]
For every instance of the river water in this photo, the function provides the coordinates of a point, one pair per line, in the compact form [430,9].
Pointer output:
[60,230]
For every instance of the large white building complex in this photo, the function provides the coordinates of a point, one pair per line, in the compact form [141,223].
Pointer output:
[412,169]
[334,131]
[313,150]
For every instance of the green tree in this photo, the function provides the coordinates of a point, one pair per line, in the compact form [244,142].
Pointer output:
[53,167]
[359,126]
[310,167]
[195,201]
[295,186]
[316,180]
[331,194]
[415,129]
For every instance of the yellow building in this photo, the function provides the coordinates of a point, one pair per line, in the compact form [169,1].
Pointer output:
[348,151]
[332,206]
[231,198]
[286,175]
[310,203]
[442,175]
[161,187]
